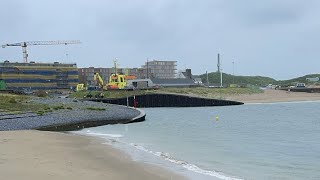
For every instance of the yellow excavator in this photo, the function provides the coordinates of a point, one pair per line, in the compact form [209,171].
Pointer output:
[99,81]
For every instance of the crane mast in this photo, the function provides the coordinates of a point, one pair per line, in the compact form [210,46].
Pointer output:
[24,45]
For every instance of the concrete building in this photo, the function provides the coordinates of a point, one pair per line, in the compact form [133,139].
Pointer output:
[38,76]
[161,69]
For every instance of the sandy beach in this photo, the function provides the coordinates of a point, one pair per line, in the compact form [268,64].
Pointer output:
[271,95]
[51,155]
[42,155]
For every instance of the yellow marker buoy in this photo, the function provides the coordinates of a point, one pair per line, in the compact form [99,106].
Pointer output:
[217,118]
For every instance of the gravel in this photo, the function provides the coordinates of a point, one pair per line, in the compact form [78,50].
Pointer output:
[71,119]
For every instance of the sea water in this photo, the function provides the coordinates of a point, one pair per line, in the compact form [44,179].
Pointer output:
[253,141]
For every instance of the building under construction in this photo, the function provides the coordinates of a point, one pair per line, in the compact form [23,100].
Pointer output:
[44,76]
[161,69]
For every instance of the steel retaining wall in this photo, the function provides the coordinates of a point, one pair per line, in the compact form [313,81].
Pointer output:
[167,100]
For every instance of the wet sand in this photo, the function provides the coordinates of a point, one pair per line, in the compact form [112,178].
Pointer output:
[42,155]
[271,95]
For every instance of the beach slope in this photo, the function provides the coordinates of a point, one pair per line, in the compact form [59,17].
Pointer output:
[42,155]
[271,96]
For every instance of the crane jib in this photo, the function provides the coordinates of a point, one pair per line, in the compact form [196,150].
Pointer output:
[31,43]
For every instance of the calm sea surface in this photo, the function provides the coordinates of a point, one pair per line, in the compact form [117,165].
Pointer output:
[254,141]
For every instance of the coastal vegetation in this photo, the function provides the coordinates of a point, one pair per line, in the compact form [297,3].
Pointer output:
[302,79]
[214,78]
[21,103]
[212,92]
[95,108]
[11,102]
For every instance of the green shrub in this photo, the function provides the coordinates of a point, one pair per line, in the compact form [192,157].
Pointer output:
[41,93]
[47,108]
[40,113]
[96,108]
[12,100]
[58,107]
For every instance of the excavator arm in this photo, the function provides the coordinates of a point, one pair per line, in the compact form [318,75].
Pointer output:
[98,79]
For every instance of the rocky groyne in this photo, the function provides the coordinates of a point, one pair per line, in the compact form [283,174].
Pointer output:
[78,114]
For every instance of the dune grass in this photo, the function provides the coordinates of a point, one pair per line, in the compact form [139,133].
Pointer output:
[10,102]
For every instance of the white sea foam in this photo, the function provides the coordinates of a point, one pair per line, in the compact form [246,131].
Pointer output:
[186,165]
[89,133]
[165,156]
[103,135]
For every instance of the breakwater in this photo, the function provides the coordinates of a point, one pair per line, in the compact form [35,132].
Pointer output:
[167,100]
[79,115]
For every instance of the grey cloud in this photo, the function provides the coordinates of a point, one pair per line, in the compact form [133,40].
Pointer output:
[259,35]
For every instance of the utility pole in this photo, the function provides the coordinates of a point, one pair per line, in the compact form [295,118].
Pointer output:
[207,78]
[233,71]
[218,64]
[220,70]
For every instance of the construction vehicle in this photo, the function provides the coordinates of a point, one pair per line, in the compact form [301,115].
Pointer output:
[99,81]
[32,43]
[118,81]
[80,87]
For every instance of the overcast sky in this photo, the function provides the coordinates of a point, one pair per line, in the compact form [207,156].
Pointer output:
[276,38]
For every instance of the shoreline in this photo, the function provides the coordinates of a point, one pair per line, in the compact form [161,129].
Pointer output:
[52,155]
[275,96]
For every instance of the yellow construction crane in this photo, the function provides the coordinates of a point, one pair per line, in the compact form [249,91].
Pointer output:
[32,43]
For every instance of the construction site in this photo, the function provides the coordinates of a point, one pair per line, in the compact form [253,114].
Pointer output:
[31,75]
[37,76]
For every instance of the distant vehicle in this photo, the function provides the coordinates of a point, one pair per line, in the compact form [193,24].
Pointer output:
[91,88]
[300,85]
[27,91]
[315,79]
[80,87]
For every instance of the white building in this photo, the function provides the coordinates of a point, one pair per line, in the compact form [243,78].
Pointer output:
[161,69]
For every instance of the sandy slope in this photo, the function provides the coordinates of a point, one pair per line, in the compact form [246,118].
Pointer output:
[275,96]
[50,155]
